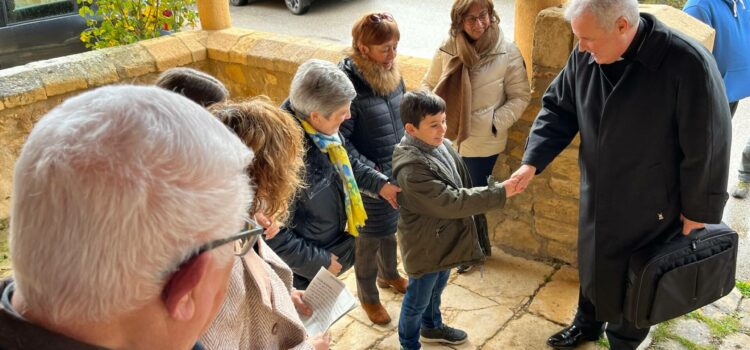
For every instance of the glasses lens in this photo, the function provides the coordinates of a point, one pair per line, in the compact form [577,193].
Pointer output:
[375,18]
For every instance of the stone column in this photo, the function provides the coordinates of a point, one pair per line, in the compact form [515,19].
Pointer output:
[214,14]
[526,12]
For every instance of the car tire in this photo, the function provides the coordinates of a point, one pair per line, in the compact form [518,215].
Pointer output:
[238,2]
[298,7]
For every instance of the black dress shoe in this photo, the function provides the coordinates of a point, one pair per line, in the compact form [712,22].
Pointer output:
[572,336]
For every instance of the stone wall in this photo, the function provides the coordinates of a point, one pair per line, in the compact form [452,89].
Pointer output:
[541,222]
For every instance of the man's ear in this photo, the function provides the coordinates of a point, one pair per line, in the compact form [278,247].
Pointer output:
[622,25]
[178,294]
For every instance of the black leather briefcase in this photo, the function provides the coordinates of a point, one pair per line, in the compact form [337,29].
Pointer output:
[672,279]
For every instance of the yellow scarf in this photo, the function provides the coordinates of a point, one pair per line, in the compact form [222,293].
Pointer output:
[355,209]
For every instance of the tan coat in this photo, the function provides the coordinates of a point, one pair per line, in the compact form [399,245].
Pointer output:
[246,322]
[500,94]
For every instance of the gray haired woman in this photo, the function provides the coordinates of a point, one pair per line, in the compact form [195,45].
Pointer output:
[327,214]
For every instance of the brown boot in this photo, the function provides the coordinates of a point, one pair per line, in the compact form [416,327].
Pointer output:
[376,313]
[399,284]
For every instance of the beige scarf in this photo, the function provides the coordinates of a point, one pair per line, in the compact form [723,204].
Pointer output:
[454,85]
[383,81]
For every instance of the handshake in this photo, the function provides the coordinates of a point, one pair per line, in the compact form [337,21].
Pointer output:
[517,182]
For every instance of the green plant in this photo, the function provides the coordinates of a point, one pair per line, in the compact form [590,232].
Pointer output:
[603,342]
[112,23]
[744,287]
[719,328]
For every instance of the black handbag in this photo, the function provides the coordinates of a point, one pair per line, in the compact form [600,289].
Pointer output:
[688,272]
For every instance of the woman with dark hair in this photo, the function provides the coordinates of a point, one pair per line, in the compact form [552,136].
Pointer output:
[200,87]
[482,78]
[373,130]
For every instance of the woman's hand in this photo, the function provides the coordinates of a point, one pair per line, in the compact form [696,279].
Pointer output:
[335,267]
[272,226]
[299,303]
[389,192]
[320,341]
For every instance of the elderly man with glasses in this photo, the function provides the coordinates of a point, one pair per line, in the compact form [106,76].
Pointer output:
[125,211]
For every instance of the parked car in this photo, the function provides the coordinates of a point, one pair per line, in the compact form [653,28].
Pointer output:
[297,7]
[40,30]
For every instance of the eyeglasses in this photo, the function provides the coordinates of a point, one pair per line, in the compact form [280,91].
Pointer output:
[483,16]
[379,17]
[244,239]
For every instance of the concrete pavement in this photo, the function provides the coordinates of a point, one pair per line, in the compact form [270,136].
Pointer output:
[737,212]
[423,24]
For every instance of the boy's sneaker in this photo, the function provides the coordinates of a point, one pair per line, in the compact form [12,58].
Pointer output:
[741,191]
[463,268]
[445,334]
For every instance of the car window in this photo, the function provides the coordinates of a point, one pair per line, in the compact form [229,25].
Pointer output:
[19,11]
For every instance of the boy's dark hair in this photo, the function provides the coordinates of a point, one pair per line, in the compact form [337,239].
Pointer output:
[416,105]
[200,87]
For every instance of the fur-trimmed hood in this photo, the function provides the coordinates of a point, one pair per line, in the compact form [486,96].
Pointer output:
[382,81]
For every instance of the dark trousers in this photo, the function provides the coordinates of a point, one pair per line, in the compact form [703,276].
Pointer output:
[480,168]
[375,257]
[421,307]
[622,335]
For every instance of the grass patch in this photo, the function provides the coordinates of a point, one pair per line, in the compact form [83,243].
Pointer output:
[719,328]
[661,332]
[744,288]
[4,255]
[603,341]
[690,345]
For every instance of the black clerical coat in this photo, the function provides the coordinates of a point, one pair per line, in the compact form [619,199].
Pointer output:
[654,145]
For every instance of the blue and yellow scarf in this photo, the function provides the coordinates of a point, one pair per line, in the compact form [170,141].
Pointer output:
[355,209]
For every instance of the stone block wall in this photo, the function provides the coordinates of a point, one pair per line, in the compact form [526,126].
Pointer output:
[248,62]
[541,223]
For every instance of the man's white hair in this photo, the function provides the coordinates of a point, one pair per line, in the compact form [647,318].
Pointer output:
[113,189]
[320,86]
[605,11]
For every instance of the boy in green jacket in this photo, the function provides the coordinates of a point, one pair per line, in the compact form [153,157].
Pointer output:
[437,229]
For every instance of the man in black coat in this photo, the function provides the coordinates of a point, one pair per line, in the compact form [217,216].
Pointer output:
[650,107]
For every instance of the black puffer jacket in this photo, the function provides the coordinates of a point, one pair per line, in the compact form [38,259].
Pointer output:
[317,226]
[371,134]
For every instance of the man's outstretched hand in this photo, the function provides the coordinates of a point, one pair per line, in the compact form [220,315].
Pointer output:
[523,176]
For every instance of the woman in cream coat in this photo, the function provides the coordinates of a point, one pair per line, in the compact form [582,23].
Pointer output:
[482,78]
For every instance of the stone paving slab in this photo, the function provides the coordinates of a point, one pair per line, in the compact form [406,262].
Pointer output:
[527,332]
[736,341]
[506,279]
[515,303]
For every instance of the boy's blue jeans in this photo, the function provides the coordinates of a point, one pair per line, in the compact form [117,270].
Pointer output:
[421,307]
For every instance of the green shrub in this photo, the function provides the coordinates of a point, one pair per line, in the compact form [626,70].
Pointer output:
[112,23]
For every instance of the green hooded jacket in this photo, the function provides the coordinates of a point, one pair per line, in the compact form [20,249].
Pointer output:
[442,222]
